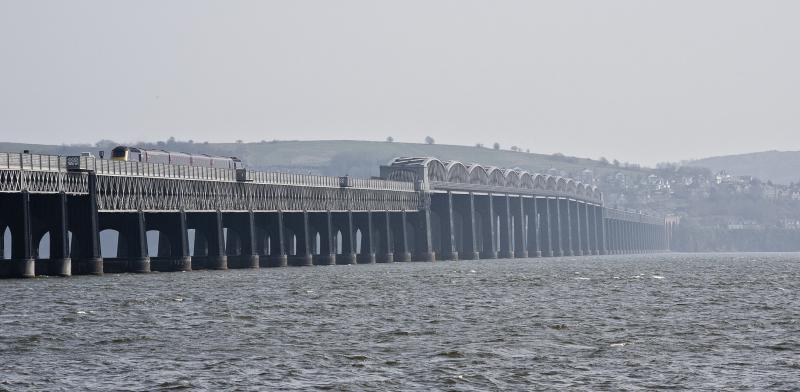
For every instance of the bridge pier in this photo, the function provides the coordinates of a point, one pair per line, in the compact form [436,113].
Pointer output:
[277,254]
[424,240]
[209,248]
[241,254]
[366,254]
[577,245]
[536,232]
[86,233]
[520,229]
[386,254]
[173,243]
[465,205]
[297,223]
[23,264]
[348,255]
[216,259]
[443,204]
[551,224]
[60,261]
[569,240]
[506,245]
[489,227]
[400,227]
[600,230]
[560,223]
[138,259]
[327,253]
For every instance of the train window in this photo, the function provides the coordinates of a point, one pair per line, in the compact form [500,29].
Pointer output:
[119,152]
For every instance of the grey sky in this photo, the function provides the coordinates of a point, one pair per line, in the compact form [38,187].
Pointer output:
[644,81]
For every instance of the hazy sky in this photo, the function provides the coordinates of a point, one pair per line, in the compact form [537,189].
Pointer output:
[642,81]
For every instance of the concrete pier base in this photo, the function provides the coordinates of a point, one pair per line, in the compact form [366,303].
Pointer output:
[60,267]
[366,258]
[23,268]
[92,266]
[426,256]
[537,254]
[488,255]
[386,258]
[471,256]
[521,254]
[167,264]
[452,256]
[346,258]
[326,259]
[506,255]
[139,265]
[403,257]
[244,261]
[276,261]
[216,262]
[301,260]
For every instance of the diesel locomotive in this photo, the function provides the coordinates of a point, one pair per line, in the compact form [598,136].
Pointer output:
[134,154]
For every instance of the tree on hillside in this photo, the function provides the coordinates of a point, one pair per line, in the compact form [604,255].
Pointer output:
[514,148]
[390,139]
[429,140]
[479,145]
[496,146]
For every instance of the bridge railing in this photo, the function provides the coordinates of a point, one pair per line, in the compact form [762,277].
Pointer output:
[38,162]
[633,216]
[292,179]
[457,186]
[159,170]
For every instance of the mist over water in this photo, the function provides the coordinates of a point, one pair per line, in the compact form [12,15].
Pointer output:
[700,321]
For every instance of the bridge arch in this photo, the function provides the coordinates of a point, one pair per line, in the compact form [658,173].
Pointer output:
[539,181]
[526,180]
[561,184]
[511,177]
[572,187]
[551,183]
[477,174]
[496,176]
[457,172]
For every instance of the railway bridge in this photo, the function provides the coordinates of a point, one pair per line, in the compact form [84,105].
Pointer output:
[55,209]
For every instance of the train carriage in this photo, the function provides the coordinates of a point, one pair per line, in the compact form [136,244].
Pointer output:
[135,154]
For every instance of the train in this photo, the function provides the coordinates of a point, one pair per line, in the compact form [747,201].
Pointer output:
[135,154]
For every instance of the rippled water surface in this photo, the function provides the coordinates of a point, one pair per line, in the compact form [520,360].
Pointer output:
[595,323]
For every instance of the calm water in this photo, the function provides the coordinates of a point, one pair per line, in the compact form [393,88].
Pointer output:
[597,323]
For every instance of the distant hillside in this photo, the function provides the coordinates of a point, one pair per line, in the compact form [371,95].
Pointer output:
[356,158]
[780,167]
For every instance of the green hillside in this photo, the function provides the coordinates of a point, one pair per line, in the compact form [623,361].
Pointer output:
[780,167]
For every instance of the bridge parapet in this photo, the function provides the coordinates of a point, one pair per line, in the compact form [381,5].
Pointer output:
[633,216]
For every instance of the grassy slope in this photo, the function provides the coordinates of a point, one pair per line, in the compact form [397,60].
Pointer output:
[781,167]
[357,158]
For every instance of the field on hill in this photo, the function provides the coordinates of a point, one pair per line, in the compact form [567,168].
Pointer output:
[780,167]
